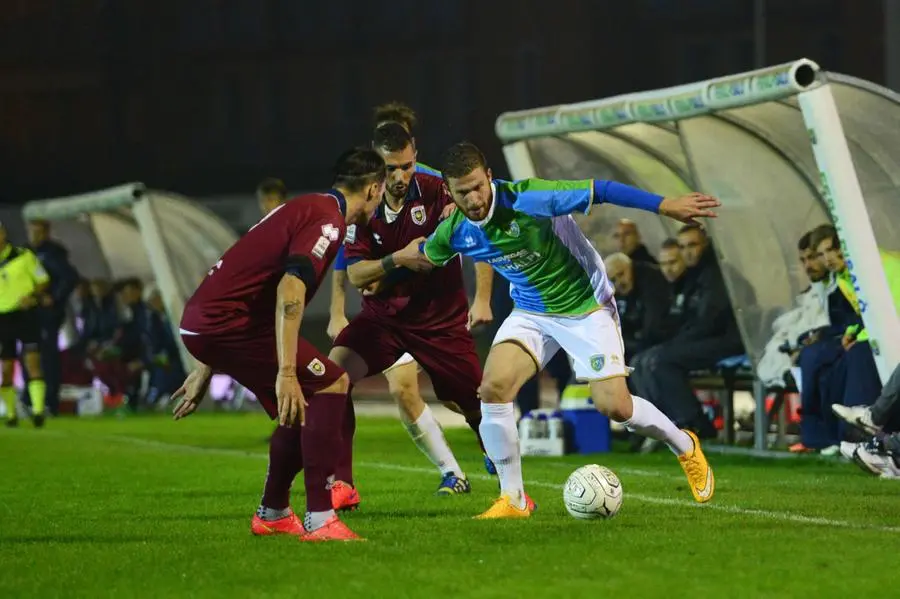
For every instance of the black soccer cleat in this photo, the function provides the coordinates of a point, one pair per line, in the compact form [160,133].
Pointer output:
[38,420]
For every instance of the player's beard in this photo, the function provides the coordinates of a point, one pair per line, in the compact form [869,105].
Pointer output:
[398,190]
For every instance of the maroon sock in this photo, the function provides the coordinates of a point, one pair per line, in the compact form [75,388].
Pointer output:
[321,444]
[344,471]
[474,421]
[285,461]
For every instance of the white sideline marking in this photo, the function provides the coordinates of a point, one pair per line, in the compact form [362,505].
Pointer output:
[730,509]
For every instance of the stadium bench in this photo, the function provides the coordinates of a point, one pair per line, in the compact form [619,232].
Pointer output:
[731,374]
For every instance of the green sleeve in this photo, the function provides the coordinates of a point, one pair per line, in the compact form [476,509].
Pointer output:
[438,248]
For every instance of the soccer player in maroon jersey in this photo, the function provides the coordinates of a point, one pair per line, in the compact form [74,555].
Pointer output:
[426,315]
[244,320]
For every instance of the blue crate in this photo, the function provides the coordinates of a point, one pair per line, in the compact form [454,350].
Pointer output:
[587,430]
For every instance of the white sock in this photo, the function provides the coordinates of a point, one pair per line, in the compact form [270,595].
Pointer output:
[647,420]
[501,441]
[315,520]
[268,514]
[428,436]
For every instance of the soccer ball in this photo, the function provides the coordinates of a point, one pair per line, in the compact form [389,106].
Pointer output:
[592,492]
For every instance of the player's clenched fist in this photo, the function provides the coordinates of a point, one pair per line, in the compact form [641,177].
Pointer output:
[410,257]
[291,403]
[688,207]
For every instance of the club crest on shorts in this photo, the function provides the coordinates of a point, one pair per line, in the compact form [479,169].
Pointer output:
[418,214]
[598,361]
[316,367]
[513,230]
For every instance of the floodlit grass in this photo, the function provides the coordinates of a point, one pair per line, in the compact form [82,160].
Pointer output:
[145,507]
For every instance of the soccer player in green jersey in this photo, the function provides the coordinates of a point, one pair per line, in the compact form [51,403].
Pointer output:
[563,299]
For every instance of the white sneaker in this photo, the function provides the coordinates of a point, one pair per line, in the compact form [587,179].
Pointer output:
[880,464]
[858,416]
[848,449]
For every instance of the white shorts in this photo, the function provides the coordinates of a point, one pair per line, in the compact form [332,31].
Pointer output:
[593,341]
[404,359]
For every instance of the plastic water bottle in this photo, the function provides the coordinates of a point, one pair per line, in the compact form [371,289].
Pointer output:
[557,426]
[542,428]
[526,426]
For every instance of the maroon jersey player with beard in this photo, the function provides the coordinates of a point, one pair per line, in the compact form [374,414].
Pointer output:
[244,321]
[425,314]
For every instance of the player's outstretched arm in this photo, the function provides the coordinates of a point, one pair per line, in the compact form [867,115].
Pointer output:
[289,306]
[684,208]
[365,272]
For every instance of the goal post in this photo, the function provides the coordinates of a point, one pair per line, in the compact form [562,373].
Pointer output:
[145,233]
[785,148]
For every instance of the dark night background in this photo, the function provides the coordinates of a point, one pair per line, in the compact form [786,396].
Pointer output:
[207,96]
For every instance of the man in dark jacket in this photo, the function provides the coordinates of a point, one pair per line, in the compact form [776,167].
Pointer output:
[63,278]
[628,239]
[707,333]
[643,300]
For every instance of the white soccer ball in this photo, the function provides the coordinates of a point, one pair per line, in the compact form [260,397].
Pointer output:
[592,492]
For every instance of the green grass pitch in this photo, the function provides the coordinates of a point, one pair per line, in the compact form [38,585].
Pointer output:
[145,507]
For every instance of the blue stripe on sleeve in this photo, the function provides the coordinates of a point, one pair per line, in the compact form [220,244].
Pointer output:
[626,196]
[340,261]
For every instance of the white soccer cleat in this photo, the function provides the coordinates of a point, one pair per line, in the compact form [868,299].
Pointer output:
[858,416]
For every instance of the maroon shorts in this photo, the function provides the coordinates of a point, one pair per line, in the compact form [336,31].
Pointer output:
[253,362]
[447,355]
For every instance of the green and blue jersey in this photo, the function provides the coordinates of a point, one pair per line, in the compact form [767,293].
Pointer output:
[531,239]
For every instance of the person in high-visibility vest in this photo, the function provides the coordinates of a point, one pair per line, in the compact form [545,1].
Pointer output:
[23,284]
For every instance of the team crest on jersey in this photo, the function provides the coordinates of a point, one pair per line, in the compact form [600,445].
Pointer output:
[316,367]
[513,230]
[598,361]
[418,215]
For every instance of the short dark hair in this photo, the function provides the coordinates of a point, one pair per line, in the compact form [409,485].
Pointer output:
[821,233]
[271,185]
[396,112]
[461,159]
[41,222]
[391,137]
[358,167]
[804,243]
[693,227]
[670,244]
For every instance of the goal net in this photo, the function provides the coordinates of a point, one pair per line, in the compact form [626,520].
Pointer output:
[785,148]
[131,231]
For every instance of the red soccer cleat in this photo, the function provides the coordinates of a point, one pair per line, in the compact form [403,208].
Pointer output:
[332,530]
[289,525]
[344,497]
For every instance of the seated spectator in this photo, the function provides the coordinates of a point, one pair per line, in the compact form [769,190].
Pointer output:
[707,333]
[162,357]
[643,300]
[836,364]
[809,315]
[628,238]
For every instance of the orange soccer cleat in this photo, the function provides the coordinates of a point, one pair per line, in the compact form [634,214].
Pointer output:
[344,497]
[332,530]
[289,525]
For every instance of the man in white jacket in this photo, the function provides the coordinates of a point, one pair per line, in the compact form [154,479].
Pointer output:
[810,313]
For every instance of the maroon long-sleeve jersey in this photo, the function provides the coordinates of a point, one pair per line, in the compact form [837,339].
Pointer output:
[302,236]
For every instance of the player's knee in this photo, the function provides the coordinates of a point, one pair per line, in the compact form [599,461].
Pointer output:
[406,395]
[612,398]
[494,390]
[341,385]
